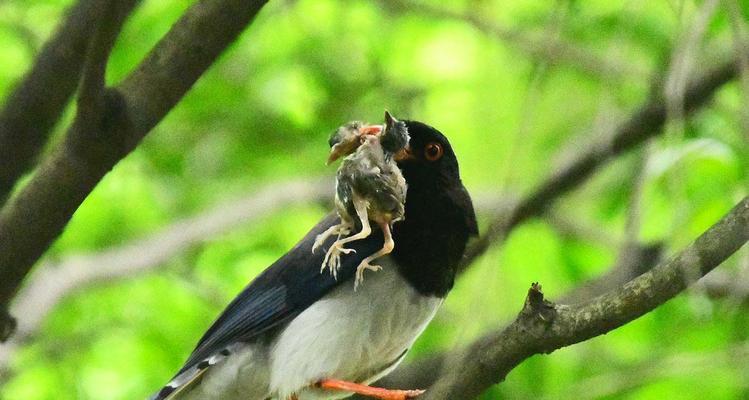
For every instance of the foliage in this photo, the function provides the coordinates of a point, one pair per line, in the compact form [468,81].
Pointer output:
[263,114]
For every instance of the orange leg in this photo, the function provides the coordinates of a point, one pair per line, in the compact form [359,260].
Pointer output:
[378,393]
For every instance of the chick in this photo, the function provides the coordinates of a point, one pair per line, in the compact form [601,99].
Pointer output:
[369,187]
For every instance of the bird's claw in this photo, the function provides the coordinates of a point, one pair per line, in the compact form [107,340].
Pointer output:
[318,243]
[332,258]
[365,265]
[321,238]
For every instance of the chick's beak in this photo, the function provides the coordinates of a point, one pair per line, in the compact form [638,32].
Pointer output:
[341,149]
[347,147]
[335,153]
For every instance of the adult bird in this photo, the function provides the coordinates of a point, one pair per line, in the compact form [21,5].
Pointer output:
[296,333]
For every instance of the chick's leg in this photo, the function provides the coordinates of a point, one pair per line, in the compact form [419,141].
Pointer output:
[375,392]
[387,247]
[341,229]
[361,206]
[333,256]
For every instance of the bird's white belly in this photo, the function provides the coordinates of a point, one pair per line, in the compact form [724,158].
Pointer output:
[356,336]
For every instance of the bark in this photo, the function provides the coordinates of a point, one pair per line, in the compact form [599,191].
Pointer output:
[35,105]
[33,219]
[542,327]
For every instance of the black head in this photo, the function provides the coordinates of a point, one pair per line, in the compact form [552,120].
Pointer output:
[430,157]
[431,240]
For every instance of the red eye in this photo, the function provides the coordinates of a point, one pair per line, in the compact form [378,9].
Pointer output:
[433,151]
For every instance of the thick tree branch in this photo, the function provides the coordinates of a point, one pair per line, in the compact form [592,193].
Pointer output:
[37,102]
[31,220]
[646,122]
[36,217]
[181,57]
[543,327]
[91,93]
[633,260]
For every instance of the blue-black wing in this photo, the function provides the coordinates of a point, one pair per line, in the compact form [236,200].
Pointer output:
[282,291]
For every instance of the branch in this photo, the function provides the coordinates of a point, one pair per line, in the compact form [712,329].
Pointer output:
[54,281]
[542,327]
[549,49]
[181,57]
[741,43]
[646,122]
[568,226]
[633,260]
[622,381]
[31,220]
[37,102]
[37,216]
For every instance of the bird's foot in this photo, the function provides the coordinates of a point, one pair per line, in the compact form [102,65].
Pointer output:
[369,391]
[339,230]
[319,240]
[332,258]
[360,272]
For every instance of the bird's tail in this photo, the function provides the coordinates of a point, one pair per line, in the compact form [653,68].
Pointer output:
[185,379]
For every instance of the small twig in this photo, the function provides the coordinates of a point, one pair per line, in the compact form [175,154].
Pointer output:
[608,384]
[633,260]
[684,59]
[741,44]
[91,92]
[30,39]
[566,226]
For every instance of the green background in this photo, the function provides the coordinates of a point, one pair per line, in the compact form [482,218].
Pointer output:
[515,108]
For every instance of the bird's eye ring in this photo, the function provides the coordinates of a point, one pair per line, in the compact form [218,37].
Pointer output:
[433,151]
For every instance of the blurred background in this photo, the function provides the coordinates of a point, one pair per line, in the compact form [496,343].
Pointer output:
[236,174]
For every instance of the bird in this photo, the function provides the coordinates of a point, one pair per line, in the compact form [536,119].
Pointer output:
[369,186]
[294,333]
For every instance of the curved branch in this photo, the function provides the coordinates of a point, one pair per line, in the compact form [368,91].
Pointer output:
[632,261]
[543,327]
[37,102]
[181,57]
[646,122]
[31,220]
[549,49]
[37,216]
[56,280]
